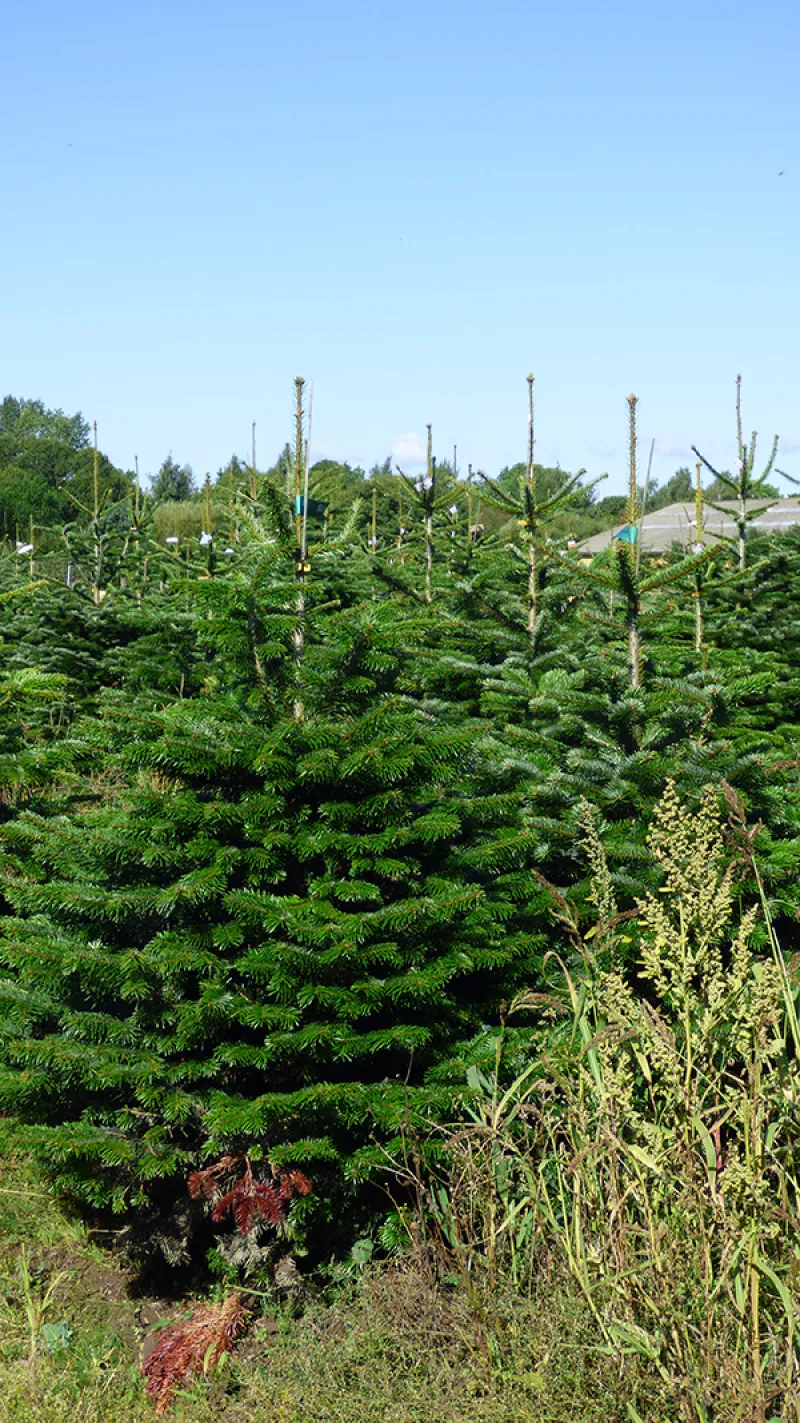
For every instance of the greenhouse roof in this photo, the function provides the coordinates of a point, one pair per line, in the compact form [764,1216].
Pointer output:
[676,525]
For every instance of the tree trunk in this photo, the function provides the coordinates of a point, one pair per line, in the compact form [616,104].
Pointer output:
[532,595]
[634,644]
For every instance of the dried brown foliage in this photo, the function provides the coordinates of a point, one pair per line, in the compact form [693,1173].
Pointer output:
[196,1345]
[192,1347]
[243,1196]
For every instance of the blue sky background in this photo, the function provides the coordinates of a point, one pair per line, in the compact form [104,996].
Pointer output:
[414,205]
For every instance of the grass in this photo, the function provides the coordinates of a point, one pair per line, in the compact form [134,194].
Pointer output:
[611,1237]
[392,1346]
[650,1146]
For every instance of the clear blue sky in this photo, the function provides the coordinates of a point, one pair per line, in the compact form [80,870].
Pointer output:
[414,205]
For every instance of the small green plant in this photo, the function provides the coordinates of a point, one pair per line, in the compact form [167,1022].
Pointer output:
[34,1293]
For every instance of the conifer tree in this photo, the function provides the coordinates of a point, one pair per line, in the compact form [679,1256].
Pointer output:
[272,929]
[745,485]
[532,514]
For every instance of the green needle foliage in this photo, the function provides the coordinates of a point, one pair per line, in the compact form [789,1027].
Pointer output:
[282,828]
[532,513]
[746,484]
[273,927]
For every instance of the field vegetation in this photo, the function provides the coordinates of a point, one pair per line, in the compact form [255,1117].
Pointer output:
[399,993]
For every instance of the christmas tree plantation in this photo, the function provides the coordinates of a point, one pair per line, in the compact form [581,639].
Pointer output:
[298,894]
[281,826]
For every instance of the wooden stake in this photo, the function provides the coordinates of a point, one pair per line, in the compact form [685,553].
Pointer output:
[530,480]
[632,615]
[97,596]
[428,495]
[698,577]
[300,466]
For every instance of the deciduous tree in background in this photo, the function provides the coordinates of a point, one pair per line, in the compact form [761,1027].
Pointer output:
[25,418]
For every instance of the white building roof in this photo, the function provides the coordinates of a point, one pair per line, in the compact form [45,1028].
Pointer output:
[675,524]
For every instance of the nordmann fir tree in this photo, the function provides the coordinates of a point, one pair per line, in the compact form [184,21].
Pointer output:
[592,725]
[763,609]
[623,577]
[577,730]
[532,514]
[35,762]
[564,716]
[481,608]
[60,649]
[139,634]
[424,500]
[745,485]
[273,928]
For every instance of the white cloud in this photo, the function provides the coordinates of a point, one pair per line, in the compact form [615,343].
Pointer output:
[407,450]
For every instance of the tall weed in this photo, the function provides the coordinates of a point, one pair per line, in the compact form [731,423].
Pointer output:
[652,1148]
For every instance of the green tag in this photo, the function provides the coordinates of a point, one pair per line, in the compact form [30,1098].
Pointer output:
[316,507]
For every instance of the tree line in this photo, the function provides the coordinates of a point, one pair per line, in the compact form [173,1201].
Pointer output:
[48,468]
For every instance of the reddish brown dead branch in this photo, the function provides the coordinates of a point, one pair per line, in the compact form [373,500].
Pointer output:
[192,1347]
[243,1196]
[197,1344]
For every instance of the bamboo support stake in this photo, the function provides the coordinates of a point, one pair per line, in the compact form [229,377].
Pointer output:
[207,504]
[742,455]
[643,509]
[304,539]
[207,529]
[137,499]
[474,509]
[699,543]
[98,547]
[632,617]
[429,493]
[530,481]
[632,440]
[95,478]
[300,470]
[299,384]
